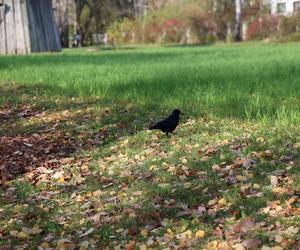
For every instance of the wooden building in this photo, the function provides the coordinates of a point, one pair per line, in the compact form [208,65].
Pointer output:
[27,26]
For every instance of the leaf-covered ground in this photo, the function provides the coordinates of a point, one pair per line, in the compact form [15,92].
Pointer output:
[85,173]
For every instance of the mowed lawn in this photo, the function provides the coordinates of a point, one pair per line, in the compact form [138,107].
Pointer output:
[79,169]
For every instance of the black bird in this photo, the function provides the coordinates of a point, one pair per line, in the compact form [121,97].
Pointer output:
[169,124]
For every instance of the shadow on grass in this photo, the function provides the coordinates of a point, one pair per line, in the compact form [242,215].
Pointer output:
[41,125]
[195,45]
[115,57]
[45,131]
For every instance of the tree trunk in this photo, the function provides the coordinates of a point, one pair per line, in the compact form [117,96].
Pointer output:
[66,26]
[238,21]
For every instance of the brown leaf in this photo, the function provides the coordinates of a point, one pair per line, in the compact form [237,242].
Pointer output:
[251,243]
[211,151]
[130,245]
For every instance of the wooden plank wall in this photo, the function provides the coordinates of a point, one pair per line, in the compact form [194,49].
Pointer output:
[42,27]
[2,29]
[12,31]
[27,26]
[19,30]
[10,27]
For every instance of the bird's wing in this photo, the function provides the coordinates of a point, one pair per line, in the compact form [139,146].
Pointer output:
[163,124]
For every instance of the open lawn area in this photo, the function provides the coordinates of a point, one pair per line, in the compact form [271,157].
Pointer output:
[79,169]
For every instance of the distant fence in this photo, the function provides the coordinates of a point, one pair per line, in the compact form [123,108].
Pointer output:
[27,26]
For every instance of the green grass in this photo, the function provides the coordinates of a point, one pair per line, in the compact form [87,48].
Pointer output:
[79,119]
[243,81]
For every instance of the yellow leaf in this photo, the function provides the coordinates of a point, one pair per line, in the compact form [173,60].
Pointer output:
[143,247]
[213,245]
[84,169]
[164,164]
[36,230]
[44,245]
[61,180]
[212,202]
[79,198]
[97,193]
[172,169]
[240,177]
[131,178]
[239,247]
[260,139]
[265,248]
[153,167]
[278,190]
[144,233]
[297,145]
[276,248]
[23,235]
[256,186]
[222,202]
[187,234]
[200,234]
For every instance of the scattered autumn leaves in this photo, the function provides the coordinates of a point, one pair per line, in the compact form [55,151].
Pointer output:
[210,186]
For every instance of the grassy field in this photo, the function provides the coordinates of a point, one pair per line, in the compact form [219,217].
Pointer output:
[79,169]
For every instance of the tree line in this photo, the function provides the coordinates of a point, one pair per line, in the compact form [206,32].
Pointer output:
[219,19]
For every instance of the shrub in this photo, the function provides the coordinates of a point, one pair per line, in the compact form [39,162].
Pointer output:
[174,30]
[192,22]
[152,32]
[203,26]
[122,32]
[263,27]
[114,33]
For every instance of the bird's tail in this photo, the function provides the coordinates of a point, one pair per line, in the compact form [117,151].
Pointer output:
[153,127]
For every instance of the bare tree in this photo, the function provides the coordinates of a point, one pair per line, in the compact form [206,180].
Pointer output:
[65,16]
[238,20]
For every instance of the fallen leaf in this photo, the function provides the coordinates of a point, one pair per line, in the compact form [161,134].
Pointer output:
[44,245]
[97,193]
[23,235]
[278,238]
[222,202]
[212,202]
[84,245]
[137,193]
[91,230]
[273,180]
[130,245]
[144,233]
[239,247]
[201,210]
[200,234]
[277,248]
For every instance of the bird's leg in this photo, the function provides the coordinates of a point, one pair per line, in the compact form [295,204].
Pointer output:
[168,134]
